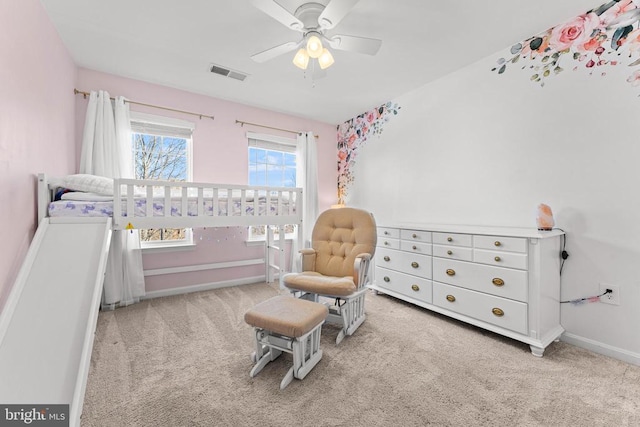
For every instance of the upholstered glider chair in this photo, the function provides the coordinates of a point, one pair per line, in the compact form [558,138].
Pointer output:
[336,267]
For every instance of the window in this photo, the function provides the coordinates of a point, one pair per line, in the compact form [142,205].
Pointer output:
[162,150]
[272,162]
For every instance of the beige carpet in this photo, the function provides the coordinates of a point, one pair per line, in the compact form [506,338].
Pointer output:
[184,361]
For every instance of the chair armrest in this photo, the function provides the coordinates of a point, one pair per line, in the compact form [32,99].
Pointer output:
[307,259]
[361,269]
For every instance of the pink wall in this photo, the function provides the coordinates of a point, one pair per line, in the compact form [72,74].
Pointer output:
[220,155]
[36,123]
[41,126]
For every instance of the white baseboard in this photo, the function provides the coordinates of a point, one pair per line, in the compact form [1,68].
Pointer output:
[600,348]
[202,267]
[203,287]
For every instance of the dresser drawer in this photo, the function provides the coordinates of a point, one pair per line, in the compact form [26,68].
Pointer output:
[502,282]
[497,311]
[410,263]
[500,243]
[388,258]
[392,233]
[451,252]
[416,235]
[417,247]
[501,259]
[451,239]
[386,242]
[405,284]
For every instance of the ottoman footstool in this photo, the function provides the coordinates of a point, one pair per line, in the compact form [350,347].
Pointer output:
[287,324]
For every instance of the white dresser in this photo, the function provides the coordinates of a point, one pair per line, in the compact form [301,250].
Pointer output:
[506,280]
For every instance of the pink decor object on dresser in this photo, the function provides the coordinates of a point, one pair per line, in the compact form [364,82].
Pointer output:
[544,217]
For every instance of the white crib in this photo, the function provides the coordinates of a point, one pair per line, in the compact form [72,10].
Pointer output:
[48,322]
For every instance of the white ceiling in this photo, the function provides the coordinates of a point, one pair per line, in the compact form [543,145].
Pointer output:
[173,43]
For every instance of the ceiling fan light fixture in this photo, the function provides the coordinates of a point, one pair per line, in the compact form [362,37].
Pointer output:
[301,59]
[325,59]
[313,18]
[314,47]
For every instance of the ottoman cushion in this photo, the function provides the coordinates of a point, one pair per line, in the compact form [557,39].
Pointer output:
[288,316]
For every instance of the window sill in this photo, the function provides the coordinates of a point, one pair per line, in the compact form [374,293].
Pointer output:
[166,247]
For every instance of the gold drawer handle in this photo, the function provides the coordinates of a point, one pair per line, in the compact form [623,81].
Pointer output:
[386,258]
[497,312]
[497,281]
[451,272]
[497,243]
[415,288]
[386,279]
[449,253]
[497,259]
[415,236]
[414,247]
[415,264]
[449,239]
[451,298]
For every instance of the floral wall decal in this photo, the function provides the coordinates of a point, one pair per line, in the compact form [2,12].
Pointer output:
[606,36]
[352,135]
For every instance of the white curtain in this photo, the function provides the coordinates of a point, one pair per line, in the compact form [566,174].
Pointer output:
[307,178]
[106,151]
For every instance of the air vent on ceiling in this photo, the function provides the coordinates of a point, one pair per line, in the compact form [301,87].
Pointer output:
[216,69]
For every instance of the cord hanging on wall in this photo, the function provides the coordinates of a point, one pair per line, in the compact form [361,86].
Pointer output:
[594,298]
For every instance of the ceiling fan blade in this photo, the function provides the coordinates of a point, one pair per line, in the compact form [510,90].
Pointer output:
[334,12]
[271,53]
[355,44]
[279,13]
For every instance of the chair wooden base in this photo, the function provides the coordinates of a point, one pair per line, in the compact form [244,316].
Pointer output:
[349,315]
[305,350]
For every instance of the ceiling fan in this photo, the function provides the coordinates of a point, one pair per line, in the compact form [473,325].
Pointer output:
[313,20]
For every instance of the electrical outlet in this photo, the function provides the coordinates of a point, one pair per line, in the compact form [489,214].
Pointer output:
[612,298]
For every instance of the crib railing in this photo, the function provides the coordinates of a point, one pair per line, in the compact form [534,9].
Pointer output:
[173,204]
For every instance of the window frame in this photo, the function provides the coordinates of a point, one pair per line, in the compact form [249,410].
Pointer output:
[273,143]
[182,128]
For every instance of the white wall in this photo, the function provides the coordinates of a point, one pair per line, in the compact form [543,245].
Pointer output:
[480,148]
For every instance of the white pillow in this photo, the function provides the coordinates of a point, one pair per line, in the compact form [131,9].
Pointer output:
[89,183]
[82,196]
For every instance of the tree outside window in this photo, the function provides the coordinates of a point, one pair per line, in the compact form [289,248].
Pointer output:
[162,158]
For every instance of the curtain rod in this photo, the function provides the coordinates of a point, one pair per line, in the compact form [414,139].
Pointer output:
[270,127]
[85,94]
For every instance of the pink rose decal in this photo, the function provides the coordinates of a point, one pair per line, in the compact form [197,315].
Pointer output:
[574,33]
[606,36]
[352,135]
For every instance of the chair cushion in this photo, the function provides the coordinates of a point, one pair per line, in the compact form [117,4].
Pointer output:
[285,315]
[339,236]
[311,281]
